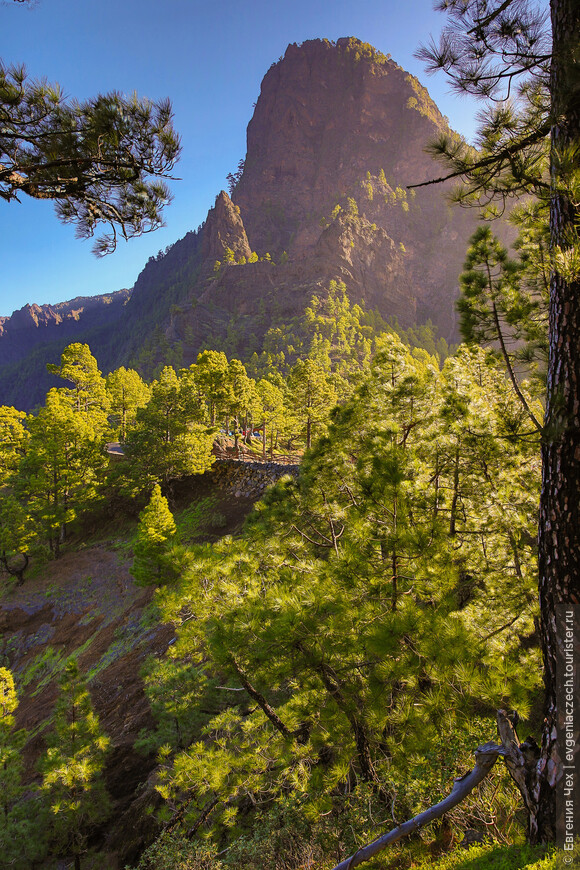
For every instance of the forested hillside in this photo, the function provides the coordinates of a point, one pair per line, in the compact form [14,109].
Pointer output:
[341,657]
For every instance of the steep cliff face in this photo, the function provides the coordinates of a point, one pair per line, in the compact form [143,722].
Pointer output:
[341,123]
[328,114]
[338,133]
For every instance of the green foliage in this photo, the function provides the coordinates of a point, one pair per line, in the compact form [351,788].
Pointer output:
[496,57]
[154,534]
[311,396]
[60,472]
[72,767]
[210,380]
[271,408]
[10,744]
[175,852]
[16,533]
[126,392]
[13,439]
[16,536]
[374,612]
[357,50]
[490,857]
[166,441]
[102,160]
[504,302]
[423,103]
[21,835]
[354,642]
[234,178]
[79,368]
[196,519]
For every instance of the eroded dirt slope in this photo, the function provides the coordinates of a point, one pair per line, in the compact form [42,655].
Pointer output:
[88,605]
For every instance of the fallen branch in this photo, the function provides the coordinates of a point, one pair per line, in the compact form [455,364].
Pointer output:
[485,758]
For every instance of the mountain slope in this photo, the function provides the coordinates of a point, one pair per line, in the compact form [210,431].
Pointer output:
[338,132]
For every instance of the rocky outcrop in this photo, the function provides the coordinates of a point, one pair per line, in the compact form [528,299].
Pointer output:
[224,231]
[338,132]
[344,126]
[328,114]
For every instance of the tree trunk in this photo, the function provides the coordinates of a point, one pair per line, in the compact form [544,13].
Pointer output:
[557,793]
[15,569]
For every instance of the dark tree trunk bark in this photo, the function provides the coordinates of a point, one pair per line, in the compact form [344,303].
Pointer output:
[557,791]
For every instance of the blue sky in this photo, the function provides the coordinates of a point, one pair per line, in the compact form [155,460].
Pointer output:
[209,58]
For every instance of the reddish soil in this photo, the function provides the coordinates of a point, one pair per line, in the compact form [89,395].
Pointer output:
[87,604]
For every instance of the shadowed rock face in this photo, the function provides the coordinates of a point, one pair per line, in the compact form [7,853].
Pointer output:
[326,116]
[338,132]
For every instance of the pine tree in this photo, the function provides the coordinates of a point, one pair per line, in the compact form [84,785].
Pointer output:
[21,817]
[62,468]
[153,539]
[13,440]
[127,392]
[102,160]
[210,374]
[271,400]
[16,532]
[16,536]
[241,391]
[310,397]
[167,441]
[494,306]
[72,767]
[360,611]
[530,144]
[79,368]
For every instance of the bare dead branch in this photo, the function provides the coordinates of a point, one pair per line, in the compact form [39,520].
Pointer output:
[520,760]
[485,758]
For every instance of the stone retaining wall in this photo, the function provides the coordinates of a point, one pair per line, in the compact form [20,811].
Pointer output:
[248,479]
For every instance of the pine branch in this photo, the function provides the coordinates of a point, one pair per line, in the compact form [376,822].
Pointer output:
[493,159]
[483,22]
[261,701]
[511,372]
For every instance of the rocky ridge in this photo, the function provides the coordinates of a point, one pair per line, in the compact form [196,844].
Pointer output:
[37,324]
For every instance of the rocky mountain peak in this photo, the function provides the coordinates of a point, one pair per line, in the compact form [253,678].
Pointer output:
[327,114]
[223,231]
